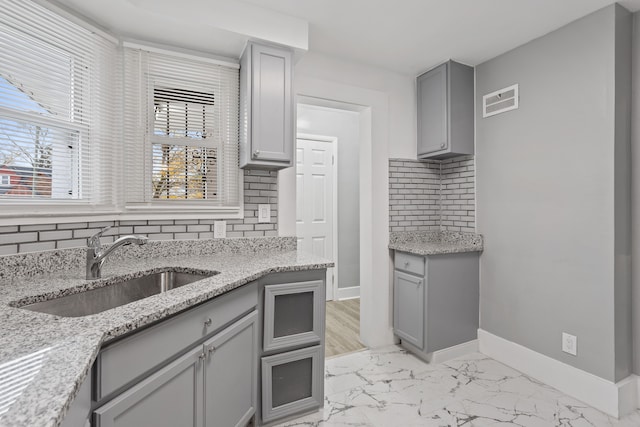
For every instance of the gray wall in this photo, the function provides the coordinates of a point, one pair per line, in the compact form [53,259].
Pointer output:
[345,126]
[635,172]
[260,187]
[546,205]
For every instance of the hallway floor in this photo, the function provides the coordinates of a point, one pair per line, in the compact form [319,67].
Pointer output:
[390,388]
[342,333]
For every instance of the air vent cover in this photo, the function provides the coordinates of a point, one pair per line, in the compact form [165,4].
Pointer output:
[500,101]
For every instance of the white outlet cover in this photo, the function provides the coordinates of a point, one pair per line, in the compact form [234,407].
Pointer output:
[570,344]
[219,229]
[264,213]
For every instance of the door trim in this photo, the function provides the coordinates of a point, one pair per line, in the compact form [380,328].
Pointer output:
[332,284]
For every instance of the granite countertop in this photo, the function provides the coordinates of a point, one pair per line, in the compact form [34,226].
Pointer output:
[435,242]
[45,358]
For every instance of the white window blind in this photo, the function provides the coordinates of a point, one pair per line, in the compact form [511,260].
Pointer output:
[180,131]
[57,118]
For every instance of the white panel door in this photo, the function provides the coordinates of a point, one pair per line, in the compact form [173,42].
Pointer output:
[314,200]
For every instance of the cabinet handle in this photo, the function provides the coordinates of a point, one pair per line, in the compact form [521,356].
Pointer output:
[202,356]
[208,322]
[256,154]
[443,145]
[211,350]
[406,264]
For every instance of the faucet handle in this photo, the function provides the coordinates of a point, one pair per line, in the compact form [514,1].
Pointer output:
[94,241]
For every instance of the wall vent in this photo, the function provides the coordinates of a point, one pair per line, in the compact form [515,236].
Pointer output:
[500,101]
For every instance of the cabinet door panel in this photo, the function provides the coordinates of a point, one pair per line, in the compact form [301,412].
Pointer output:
[292,382]
[170,397]
[272,131]
[230,391]
[408,308]
[432,111]
[293,314]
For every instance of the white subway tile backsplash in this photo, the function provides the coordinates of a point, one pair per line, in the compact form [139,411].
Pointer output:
[30,238]
[432,195]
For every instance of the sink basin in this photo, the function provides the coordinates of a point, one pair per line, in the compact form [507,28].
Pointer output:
[118,293]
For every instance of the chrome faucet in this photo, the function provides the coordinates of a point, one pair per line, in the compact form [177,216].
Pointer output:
[96,257]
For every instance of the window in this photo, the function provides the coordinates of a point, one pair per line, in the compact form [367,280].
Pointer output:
[181,132]
[54,108]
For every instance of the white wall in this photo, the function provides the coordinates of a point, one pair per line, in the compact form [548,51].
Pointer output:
[386,101]
[345,126]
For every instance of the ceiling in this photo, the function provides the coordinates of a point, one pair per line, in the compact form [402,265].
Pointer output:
[406,36]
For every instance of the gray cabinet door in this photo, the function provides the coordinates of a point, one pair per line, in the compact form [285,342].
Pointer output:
[171,397]
[408,308]
[230,376]
[293,314]
[292,382]
[272,104]
[433,110]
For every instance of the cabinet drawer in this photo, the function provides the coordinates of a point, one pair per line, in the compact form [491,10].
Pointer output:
[293,314]
[292,382]
[132,357]
[410,263]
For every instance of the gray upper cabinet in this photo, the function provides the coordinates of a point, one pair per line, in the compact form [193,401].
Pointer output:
[266,107]
[445,111]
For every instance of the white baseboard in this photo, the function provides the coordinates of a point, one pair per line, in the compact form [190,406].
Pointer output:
[453,352]
[348,293]
[616,399]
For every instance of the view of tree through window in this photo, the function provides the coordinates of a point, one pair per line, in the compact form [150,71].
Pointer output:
[184,154]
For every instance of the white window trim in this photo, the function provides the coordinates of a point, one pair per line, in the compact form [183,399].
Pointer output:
[27,212]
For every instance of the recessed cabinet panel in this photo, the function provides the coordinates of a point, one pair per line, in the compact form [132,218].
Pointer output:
[291,382]
[432,107]
[293,314]
[408,308]
[170,397]
[231,374]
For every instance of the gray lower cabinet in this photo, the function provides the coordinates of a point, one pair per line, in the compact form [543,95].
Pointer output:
[231,375]
[171,397]
[445,111]
[408,318]
[435,300]
[292,382]
[213,385]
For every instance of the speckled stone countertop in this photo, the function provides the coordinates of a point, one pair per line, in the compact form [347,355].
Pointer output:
[435,242]
[44,358]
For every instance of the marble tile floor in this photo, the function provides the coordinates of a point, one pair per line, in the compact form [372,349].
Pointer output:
[389,387]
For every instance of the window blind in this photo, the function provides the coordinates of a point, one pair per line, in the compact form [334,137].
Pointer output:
[180,131]
[57,116]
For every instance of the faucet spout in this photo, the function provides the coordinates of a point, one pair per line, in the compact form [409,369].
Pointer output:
[96,257]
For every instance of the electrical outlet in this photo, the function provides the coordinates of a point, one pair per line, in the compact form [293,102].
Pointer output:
[219,229]
[569,343]
[264,213]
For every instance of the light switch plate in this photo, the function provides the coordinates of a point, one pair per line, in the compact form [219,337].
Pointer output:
[264,213]
[219,229]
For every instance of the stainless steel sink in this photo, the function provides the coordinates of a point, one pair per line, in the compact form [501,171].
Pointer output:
[117,293]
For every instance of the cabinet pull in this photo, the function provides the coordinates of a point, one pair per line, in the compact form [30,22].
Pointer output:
[406,264]
[443,145]
[211,350]
[256,154]
[202,356]
[208,322]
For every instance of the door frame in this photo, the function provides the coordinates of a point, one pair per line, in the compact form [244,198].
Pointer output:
[333,286]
